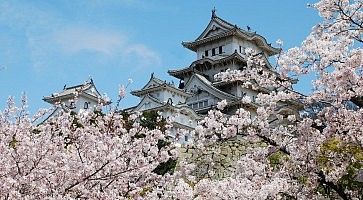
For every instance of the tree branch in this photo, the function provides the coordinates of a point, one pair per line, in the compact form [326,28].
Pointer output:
[338,189]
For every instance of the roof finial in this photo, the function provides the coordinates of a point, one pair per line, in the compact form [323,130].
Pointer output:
[90,80]
[214,12]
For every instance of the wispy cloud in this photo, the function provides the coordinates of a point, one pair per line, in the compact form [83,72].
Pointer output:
[47,33]
[76,39]
[73,40]
[22,15]
[147,55]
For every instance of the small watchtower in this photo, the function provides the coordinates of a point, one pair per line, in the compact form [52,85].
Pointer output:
[75,98]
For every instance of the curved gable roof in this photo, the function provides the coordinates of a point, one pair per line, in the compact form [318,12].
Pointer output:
[87,89]
[153,82]
[215,23]
[147,98]
[210,88]
[227,29]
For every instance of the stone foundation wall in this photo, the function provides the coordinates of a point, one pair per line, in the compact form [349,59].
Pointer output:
[217,161]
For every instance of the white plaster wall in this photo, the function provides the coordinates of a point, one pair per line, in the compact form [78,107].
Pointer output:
[226,43]
[245,44]
[230,45]
[195,99]
[79,103]
[180,118]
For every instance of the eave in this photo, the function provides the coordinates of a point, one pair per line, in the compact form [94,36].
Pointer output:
[224,83]
[178,73]
[165,106]
[57,98]
[70,96]
[71,92]
[260,41]
[158,88]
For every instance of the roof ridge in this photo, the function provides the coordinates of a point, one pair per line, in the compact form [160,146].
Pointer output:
[158,86]
[87,83]
[225,21]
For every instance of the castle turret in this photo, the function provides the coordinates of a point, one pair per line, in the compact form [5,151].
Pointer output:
[221,46]
[221,38]
[75,98]
[158,95]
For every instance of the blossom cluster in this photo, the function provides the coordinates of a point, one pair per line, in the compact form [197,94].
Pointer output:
[300,147]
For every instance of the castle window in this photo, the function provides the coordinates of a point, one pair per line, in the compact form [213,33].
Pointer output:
[220,49]
[242,50]
[200,105]
[195,105]
[86,104]
[213,52]
[206,53]
[205,103]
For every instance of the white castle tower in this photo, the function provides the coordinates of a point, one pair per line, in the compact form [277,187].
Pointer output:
[75,98]
[219,47]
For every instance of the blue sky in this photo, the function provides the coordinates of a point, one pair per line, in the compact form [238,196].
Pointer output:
[46,44]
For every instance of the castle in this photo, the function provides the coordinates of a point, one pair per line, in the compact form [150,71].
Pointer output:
[219,47]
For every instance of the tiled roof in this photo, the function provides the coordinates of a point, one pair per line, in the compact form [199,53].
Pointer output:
[71,92]
[229,30]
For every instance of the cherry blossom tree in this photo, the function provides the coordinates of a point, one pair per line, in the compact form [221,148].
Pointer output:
[317,153]
[333,145]
[87,155]
[301,146]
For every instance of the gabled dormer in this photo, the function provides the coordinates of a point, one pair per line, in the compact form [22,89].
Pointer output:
[153,82]
[162,91]
[205,96]
[221,38]
[215,26]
